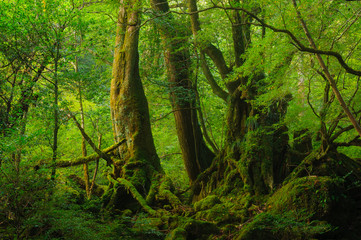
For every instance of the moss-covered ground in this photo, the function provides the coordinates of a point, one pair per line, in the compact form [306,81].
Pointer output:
[319,200]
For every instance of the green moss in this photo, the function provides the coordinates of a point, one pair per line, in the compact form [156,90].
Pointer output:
[152,192]
[196,228]
[273,226]
[137,196]
[127,213]
[255,165]
[177,234]
[303,208]
[246,200]
[332,164]
[166,192]
[219,213]
[106,198]
[147,222]
[233,182]
[207,203]
[310,197]
[190,228]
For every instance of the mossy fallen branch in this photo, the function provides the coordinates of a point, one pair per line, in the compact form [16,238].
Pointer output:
[82,160]
[137,196]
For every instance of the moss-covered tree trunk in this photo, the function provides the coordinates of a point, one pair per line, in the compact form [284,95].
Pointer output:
[253,155]
[196,155]
[138,161]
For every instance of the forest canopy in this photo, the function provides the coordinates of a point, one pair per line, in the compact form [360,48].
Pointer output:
[180,119]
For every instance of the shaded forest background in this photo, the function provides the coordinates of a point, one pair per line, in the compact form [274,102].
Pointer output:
[186,119]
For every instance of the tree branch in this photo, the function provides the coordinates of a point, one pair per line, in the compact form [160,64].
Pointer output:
[82,160]
[192,5]
[298,43]
[326,71]
[91,143]
[354,142]
[217,90]
[338,133]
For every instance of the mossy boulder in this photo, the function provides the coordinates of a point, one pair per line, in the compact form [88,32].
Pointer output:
[321,198]
[189,228]
[207,203]
[258,229]
[304,208]
[332,164]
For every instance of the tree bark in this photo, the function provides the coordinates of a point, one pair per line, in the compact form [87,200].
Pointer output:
[96,167]
[82,124]
[83,144]
[196,155]
[129,107]
[87,159]
[260,169]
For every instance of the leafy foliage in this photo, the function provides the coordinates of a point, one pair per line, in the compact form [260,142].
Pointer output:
[287,101]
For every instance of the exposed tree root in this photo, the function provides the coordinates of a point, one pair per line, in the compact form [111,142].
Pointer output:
[165,191]
[136,195]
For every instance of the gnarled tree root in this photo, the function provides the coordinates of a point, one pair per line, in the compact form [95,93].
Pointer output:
[136,195]
[165,191]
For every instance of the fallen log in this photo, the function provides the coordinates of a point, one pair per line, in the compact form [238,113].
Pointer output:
[82,160]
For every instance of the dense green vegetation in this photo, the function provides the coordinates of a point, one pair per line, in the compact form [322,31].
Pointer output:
[162,119]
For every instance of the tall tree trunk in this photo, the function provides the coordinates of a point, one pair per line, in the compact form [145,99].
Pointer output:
[83,144]
[129,107]
[196,155]
[56,117]
[238,107]
[17,154]
[82,123]
[96,166]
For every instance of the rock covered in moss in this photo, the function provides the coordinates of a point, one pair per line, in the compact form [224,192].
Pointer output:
[207,203]
[304,208]
[332,164]
[321,198]
[189,228]
[258,229]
